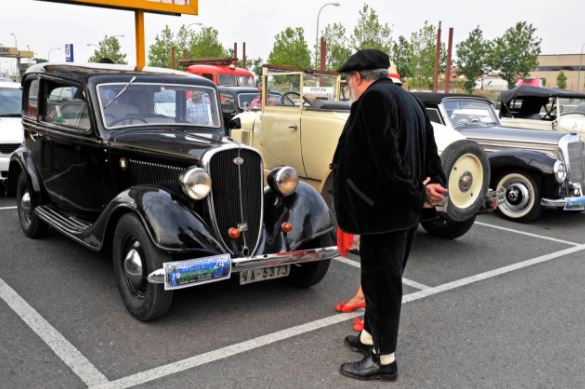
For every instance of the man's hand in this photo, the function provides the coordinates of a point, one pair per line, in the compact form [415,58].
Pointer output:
[435,193]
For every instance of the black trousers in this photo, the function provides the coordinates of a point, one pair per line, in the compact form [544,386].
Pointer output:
[383,258]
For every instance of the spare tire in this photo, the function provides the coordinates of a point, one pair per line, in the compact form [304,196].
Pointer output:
[467,169]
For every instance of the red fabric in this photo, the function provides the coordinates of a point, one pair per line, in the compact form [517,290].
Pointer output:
[344,241]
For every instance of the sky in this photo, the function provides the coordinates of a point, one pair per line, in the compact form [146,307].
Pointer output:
[43,26]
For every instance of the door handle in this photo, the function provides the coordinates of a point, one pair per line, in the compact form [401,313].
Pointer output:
[293,127]
[34,135]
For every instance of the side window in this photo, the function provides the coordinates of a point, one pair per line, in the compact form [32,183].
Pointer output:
[65,105]
[288,86]
[208,76]
[434,115]
[227,103]
[31,107]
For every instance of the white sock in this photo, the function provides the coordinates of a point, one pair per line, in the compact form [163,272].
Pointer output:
[387,359]
[366,338]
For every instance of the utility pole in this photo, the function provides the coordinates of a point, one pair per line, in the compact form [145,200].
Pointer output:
[437,59]
[449,53]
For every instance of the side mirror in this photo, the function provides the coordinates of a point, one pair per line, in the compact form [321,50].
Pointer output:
[235,123]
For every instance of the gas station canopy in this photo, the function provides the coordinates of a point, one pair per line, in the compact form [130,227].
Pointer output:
[172,7]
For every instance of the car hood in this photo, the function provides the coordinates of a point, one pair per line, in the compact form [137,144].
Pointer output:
[11,130]
[512,135]
[181,144]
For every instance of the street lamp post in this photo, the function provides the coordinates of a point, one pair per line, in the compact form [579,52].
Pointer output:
[317,58]
[49,53]
[579,74]
[17,55]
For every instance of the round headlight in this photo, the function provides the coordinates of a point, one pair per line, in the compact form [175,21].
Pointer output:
[284,180]
[560,171]
[196,183]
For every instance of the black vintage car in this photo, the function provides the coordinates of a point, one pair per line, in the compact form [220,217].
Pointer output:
[138,161]
[532,168]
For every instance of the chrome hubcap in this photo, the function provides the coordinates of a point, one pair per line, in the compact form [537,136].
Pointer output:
[25,203]
[465,181]
[133,267]
[517,196]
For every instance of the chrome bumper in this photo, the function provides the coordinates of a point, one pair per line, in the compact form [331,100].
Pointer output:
[266,260]
[558,203]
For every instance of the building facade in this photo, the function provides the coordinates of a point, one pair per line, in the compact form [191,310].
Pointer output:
[549,66]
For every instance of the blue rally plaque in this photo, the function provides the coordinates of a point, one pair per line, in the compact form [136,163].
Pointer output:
[191,272]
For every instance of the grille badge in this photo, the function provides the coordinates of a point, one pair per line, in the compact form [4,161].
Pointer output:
[243,227]
[238,161]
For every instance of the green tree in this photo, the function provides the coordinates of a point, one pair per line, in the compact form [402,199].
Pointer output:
[206,44]
[338,49]
[472,57]
[515,54]
[257,67]
[159,53]
[561,80]
[369,33]
[402,57]
[422,56]
[290,49]
[109,47]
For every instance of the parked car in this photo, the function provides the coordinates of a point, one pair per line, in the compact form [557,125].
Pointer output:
[11,133]
[534,169]
[179,203]
[302,128]
[238,99]
[543,109]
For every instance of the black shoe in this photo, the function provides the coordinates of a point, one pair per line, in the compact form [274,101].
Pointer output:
[354,344]
[369,369]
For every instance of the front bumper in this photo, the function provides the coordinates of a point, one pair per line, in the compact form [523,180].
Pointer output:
[267,260]
[574,203]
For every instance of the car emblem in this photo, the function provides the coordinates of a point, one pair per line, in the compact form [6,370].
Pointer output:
[243,227]
[238,161]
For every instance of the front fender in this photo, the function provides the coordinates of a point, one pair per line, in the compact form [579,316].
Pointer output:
[172,226]
[526,160]
[306,211]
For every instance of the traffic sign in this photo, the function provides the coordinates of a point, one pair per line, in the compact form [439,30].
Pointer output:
[69,52]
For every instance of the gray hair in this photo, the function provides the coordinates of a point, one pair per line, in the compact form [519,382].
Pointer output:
[374,74]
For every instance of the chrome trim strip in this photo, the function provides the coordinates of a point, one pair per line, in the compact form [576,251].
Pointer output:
[152,164]
[205,160]
[267,260]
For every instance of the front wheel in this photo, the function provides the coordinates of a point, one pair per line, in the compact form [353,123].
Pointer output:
[446,229]
[521,197]
[308,274]
[134,257]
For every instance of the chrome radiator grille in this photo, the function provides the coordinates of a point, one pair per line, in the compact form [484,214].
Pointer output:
[236,196]
[576,163]
[165,176]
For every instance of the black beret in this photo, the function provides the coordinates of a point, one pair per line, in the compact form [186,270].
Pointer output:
[364,60]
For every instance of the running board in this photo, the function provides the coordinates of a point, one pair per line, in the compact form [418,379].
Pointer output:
[61,221]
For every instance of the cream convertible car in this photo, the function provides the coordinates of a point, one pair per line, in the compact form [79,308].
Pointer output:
[301,130]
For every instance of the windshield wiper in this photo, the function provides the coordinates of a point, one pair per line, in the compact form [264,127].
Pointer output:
[120,93]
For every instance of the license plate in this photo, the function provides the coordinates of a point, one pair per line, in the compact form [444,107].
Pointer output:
[190,272]
[575,204]
[267,273]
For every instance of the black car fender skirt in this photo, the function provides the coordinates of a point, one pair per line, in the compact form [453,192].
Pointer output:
[525,160]
[21,160]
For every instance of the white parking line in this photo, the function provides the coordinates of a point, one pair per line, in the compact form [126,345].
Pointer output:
[238,348]
[405,281]
[70,355]
[527,234]
[7,208]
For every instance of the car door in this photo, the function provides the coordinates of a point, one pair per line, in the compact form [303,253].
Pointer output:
[69,155]
[281,121]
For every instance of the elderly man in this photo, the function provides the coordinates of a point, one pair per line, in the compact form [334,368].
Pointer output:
[386,170]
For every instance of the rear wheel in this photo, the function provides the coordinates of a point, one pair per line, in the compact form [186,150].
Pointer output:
[446,229]
[30,223]
[521,197]
[134,257]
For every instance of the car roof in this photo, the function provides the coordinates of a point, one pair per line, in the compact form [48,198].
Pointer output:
[429,98]
[83,72]
[245,89]
[538,92]
[220,69]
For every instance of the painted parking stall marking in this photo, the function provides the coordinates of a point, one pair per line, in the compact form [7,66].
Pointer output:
[7,208]
[68,353]
[527,234]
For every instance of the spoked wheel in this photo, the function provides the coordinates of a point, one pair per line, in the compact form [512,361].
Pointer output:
[521,197]
[134,257]
[30,223]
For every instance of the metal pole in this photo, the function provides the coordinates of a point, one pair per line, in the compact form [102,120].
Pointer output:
[317,33]
[437,59]
[139,35]
[579,74]
[449,53]
[244,60]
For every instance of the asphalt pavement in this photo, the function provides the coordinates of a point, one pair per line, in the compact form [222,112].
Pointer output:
[499,307]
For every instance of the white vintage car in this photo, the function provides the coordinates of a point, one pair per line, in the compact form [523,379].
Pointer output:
[11,133]
[302,128]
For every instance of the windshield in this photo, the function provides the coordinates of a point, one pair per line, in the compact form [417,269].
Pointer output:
[10,101]
[153,104]
[245,99]
[469,112]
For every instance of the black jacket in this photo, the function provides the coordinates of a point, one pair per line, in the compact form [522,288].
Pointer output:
[387,148]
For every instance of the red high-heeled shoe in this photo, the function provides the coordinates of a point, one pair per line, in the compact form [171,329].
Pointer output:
[343,307]
[358,325]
